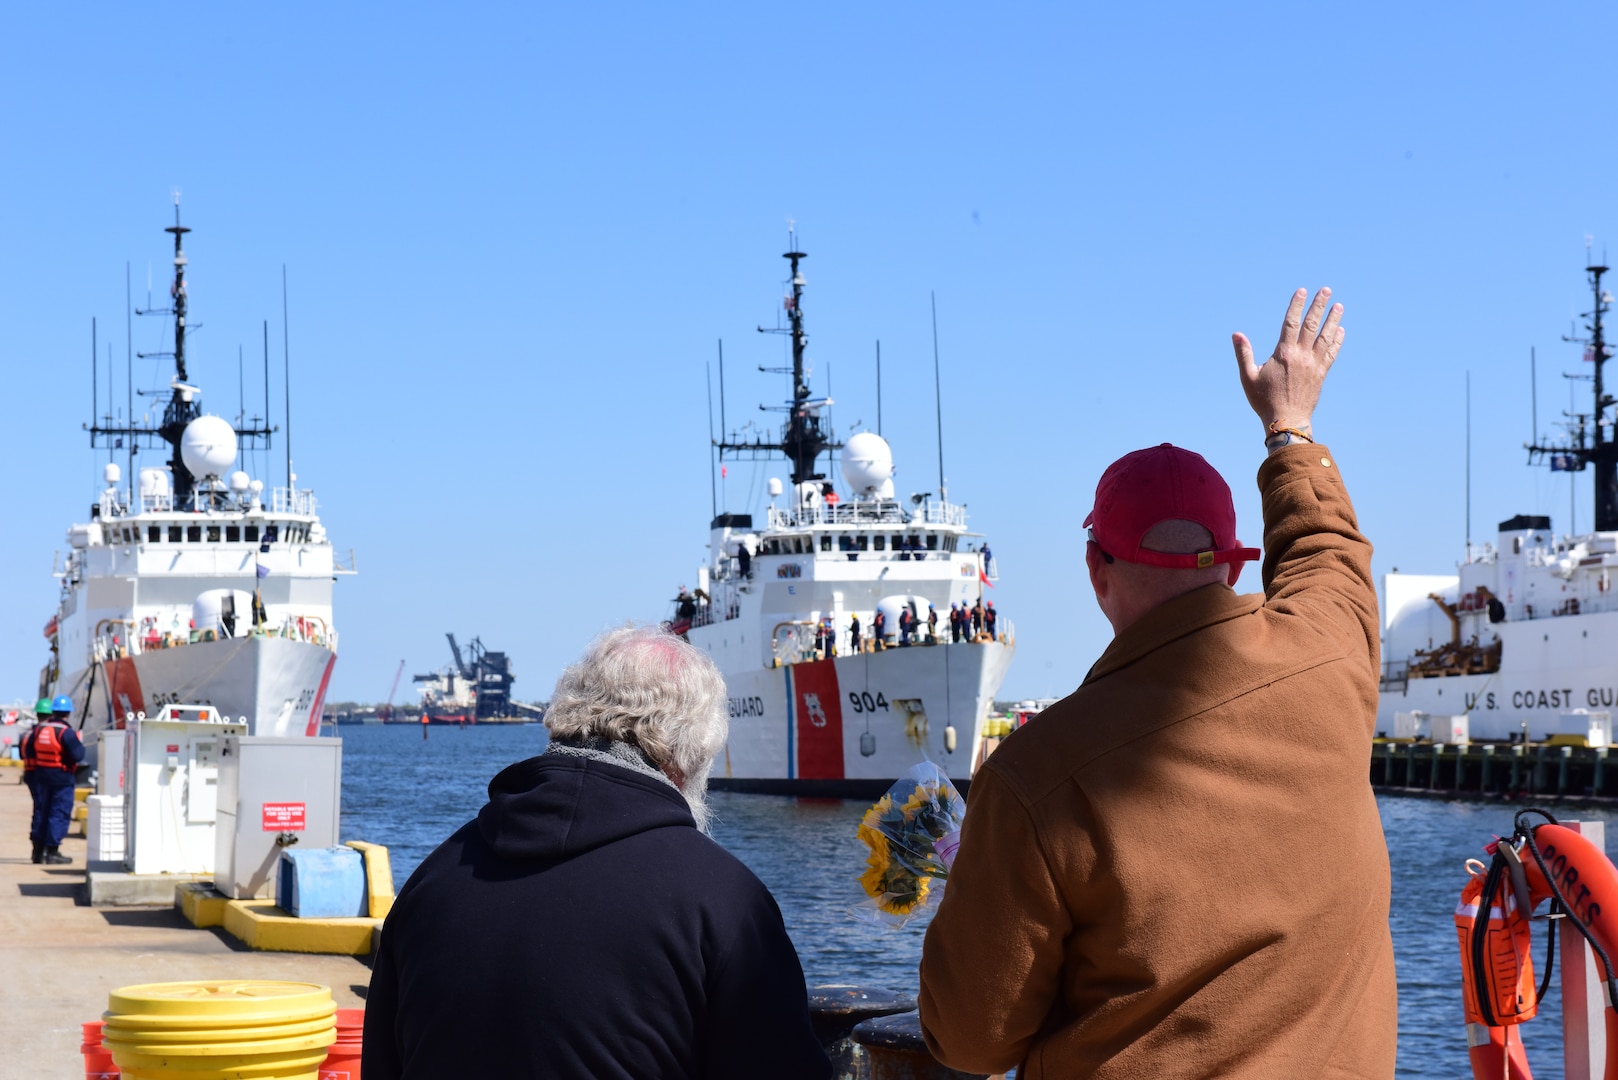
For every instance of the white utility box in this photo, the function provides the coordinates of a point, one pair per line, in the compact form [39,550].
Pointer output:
[110,762]
[1594,727]
[171,776]
[1455,730]
[274,791]
[104,828]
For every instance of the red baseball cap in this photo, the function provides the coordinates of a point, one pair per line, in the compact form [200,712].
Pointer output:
[1166,483]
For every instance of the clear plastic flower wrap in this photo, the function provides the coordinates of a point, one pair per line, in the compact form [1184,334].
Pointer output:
[912,833]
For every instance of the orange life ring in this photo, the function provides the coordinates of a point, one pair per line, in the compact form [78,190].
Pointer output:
[1538,863]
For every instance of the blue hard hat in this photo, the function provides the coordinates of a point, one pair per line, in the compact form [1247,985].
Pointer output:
[62,704]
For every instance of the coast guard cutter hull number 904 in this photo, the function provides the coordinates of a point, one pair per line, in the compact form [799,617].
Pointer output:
[775,607]
[189,585]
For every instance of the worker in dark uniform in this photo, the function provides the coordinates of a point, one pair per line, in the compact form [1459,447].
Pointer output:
[744,561]
[989,619]
[854,633]
[879,631]
[51,752]
[977,618]
[932,625]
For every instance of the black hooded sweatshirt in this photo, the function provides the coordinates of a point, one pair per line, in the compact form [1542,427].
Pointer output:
[583,927]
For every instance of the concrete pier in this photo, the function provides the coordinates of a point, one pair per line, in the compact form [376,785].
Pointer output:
[1547,772]
[60,957]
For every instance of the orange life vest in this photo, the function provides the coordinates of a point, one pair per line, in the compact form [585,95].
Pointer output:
[1545,862]
[44,747]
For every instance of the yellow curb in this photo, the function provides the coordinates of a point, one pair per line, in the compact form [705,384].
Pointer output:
[201,904]
[378,877]
[259,924]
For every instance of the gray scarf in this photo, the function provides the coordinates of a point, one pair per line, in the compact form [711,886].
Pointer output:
[622,754]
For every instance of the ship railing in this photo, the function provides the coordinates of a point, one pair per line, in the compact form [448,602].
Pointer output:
[1395,674]
[794,642]
[293,501]
[867,512]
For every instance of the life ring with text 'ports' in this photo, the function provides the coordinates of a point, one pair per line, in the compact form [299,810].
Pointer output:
[1493,923]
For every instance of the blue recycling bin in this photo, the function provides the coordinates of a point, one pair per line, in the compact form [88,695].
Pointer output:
[322,883]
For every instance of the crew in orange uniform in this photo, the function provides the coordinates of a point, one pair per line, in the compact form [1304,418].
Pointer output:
[51,753]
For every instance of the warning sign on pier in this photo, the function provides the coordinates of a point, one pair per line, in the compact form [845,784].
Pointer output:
[283,817]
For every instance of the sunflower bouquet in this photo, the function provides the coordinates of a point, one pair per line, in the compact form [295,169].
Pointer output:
[912,833]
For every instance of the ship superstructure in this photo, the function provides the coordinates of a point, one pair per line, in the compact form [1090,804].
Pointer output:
[194,582]
[813,708]
[1525,634]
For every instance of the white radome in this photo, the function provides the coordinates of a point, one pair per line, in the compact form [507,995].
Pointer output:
[208,446]
[154,482]
[867,464]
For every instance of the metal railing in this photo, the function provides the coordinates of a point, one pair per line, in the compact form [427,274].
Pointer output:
[873,513]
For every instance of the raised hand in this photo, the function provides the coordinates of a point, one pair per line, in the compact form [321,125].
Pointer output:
[1284,390]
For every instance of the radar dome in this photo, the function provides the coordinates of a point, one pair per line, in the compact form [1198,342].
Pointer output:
[208,446]
[154,482]
[867,464]
[239,481]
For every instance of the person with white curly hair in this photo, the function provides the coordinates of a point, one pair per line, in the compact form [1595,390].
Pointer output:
[584,925]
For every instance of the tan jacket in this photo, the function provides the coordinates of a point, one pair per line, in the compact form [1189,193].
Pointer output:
[1179,870]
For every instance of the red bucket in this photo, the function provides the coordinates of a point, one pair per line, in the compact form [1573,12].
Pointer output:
[97,1061]
[343,1059]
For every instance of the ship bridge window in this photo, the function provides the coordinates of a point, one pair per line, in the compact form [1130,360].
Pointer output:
[880,543]
[154,534]
[859,541]
[233,534]
[825,542]
[272,533]
[193,534]
[213,534]
[932,541]
[250,534]
[845,542]
[174,534]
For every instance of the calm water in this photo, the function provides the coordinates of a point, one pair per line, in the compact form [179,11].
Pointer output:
[410,794]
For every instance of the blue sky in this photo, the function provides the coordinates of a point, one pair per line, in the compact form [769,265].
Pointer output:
[513,235]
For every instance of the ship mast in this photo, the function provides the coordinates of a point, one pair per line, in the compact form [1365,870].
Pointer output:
[1602,450]
[182,406]
[803,439]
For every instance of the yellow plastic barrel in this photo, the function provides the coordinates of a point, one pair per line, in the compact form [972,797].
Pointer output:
[231,1030]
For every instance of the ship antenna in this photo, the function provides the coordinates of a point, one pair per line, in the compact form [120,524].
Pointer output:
[1468,466]
[1600,451]
[938,401]
[286,372]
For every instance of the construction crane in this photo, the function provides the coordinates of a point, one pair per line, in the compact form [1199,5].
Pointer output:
[385,713]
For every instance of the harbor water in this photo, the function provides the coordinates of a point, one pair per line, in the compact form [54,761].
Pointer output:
[411,793]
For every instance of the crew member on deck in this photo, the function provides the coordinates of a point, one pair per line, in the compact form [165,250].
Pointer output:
[51,753]
[854,634]
[879,631]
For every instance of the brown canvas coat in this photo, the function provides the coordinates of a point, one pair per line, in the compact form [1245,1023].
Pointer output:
[1179,870]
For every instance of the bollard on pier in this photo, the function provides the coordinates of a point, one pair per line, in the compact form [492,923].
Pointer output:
[895,1050]
[834,1012]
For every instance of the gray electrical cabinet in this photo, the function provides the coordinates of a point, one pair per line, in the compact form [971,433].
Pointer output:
[273,791]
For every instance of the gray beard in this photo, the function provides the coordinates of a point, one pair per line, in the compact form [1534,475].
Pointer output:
[695,790]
